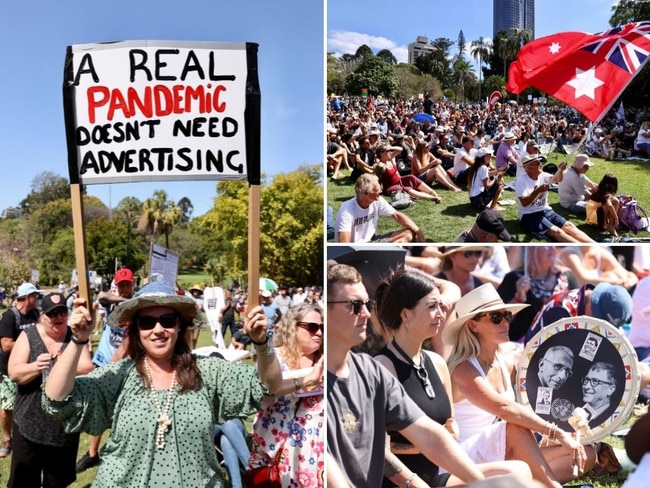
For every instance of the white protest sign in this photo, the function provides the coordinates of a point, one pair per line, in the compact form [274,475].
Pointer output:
[157,111]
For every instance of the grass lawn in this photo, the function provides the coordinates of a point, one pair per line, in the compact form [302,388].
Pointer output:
[444,222]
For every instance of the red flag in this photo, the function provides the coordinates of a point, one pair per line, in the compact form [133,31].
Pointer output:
[585,71]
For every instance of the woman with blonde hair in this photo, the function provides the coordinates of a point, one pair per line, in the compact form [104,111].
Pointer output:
[427,168]
[482,374]
[296,414]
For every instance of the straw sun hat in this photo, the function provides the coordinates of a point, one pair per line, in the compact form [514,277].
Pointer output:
[480,300]
[153,294]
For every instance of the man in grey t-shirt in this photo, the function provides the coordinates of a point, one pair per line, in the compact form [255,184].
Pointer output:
[575,187]
[364,400]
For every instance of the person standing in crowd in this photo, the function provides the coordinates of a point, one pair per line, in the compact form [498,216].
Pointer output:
[356,220]
[16,319]
[575,187]
[481,375]
[412,307]
[364,399]
[161,402]
[197,295]
[297,412]
[228,314]
[298,296]
[272,311]
[43,452]
[108,350]
[282,300]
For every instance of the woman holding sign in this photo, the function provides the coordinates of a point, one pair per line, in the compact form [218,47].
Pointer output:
[161,401]
[290,428]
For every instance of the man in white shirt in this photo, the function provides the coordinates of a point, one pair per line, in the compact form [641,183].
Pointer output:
[575,187]
[356,220]
[535,214]
[463,160]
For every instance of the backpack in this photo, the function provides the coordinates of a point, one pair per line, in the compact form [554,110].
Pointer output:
[400,200]
[631,215]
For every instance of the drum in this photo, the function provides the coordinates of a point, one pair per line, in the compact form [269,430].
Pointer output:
[580,370]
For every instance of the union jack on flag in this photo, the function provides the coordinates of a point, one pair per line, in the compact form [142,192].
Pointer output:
[585,71]
[620,47]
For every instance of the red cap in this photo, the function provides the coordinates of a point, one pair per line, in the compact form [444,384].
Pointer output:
[123,274]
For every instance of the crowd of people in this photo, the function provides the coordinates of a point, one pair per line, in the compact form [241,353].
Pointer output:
[157,398]
[414,146]
[436,344]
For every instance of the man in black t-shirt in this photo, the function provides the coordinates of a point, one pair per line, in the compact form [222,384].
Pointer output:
[21,316]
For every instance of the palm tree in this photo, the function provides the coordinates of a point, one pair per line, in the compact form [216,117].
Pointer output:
[480,49]
[159,215]
[463,72]
[516,40]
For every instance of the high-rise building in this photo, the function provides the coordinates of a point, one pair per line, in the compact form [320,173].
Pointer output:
[517,14]
[419,47]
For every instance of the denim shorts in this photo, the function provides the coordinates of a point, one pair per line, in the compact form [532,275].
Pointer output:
[539,223]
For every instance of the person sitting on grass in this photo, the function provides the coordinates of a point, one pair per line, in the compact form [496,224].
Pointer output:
[391,181]
[356,220]
[426,167]
[535,214]
[484,182]
[602,206]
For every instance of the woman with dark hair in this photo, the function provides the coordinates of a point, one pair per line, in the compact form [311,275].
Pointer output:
[161,402]
[412,307]
[602,206]
[484,182]
[296,413]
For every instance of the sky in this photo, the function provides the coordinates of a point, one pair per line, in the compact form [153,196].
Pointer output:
[388,26]
[33,40]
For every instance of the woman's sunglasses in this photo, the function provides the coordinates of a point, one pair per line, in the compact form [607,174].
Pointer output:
[468,254]
[148,322]
[312,327]
[496,317]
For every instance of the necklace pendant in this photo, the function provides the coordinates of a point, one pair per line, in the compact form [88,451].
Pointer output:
[164,422]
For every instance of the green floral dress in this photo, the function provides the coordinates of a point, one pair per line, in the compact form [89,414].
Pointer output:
[114,397]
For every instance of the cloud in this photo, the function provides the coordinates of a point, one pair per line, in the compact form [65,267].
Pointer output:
[346,42]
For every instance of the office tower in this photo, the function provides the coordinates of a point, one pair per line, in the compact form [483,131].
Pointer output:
[508,14]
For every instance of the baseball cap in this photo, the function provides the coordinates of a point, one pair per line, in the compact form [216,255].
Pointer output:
[123,274]
[52,301]
[27,289]
[266,294]
[483,151]
[491,221]
[612,303]
[581,161]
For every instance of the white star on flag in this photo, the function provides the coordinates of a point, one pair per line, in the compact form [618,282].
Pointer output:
[554,48]
[585,83]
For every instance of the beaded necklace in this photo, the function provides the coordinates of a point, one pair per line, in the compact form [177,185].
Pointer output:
[163,421]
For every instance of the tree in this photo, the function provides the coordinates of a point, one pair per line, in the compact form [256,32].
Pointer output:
[626,11]
[411,82]
[45,187]
[185,204]
[291,226]
[494,83]
[480,49]
[387,56]
[159,216]
[463,74]
[363,52]
[374,74]
[461,46]
[335,74]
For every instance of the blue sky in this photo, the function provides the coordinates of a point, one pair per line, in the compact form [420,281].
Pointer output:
[393,25]
[33,40]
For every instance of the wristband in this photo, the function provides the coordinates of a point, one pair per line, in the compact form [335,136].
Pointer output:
[259,343]
[77,341]
[410,481]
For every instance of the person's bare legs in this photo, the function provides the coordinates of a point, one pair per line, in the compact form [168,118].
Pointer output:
[6,419]
[522,445]
[494,203]
[443,178]
[425,191]
[572,231]
[93,445]
[560,461]
[518,469]
[403,235]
